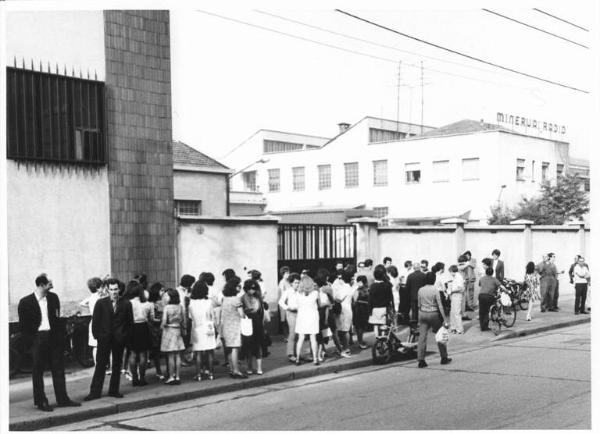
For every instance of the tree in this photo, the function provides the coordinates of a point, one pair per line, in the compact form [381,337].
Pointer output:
[556,204]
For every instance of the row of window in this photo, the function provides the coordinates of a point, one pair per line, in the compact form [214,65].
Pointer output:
[521,168]
[441,173]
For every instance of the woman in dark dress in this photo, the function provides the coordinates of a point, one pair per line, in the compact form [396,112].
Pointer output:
[252,303]
[360,317]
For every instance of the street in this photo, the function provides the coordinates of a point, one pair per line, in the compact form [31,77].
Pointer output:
[537,382]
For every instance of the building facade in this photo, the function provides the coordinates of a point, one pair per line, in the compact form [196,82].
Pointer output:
[406,174]
[89,158]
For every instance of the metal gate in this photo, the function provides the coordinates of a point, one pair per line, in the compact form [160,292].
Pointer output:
[314,246]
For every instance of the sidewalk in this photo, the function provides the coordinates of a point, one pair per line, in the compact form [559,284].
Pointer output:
[24,416]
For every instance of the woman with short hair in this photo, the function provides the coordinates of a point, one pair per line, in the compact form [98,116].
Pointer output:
[94,284]
[156,293]
[381,299]
[431,315]
[203,337]
[289,303]
[342,293]
[173,328]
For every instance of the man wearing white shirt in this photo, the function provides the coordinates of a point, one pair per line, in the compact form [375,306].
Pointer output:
[581,276]
[404,295]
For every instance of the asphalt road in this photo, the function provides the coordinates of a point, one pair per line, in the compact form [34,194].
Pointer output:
[536,382]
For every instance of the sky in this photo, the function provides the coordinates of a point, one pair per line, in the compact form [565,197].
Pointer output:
[304,70]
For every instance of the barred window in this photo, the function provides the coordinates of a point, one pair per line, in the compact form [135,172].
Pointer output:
[379,135]
[545,169]
[298,178]
[413,173]
[274,180]
[324,176]
[351,174]
[249,179]
[55,118]
[380,175]
[188,207]
[381,211]
[470,167]
[270,146]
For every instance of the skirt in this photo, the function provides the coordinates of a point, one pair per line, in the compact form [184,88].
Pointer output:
[171,340]
[140,338]
[360,318]
[378,315]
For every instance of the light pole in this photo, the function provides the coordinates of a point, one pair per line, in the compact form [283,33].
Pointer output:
[502,187]
[259,161]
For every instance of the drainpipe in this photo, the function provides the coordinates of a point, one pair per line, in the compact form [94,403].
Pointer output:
[228,186]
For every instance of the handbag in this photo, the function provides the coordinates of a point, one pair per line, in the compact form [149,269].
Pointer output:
[442,335]
[326,332]
[337,308]
[266,316]
[246,326]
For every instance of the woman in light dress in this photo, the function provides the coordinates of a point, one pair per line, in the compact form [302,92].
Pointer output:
[307,321]
[173,328]
[95,286]
[457,288]
[532,286]
[342,293]
[231,315]
[203,337]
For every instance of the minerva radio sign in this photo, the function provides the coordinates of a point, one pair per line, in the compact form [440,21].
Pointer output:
[523,122]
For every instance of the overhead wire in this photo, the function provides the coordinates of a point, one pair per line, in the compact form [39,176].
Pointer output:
[385,59]
[459,53]
[560,19]
[533,27]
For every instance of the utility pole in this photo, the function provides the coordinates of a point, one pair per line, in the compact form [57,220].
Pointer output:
[398,98]
[422,98]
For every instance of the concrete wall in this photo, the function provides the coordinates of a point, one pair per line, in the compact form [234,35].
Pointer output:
[206,244]
[210,188]
[58,224]
[442,243]
[71,39]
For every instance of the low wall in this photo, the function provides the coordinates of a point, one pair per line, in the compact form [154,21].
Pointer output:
[518,244]
[214,244]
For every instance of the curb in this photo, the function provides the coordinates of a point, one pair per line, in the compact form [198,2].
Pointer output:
[102,410]
[518,334]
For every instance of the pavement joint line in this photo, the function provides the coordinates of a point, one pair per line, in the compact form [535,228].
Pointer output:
[548,348]
[502,374]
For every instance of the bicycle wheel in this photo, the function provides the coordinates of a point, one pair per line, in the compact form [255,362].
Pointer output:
[495,319]
[509,315]
[381,352]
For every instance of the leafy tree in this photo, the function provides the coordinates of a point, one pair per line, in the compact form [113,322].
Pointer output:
[556,204]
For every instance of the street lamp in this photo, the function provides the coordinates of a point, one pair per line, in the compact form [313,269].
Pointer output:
[259,161]
[502,187]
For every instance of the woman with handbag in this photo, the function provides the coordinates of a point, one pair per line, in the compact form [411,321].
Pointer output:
[203,339]
[307,321]
[252,343]
[431,317]
[231,317]
[289,303]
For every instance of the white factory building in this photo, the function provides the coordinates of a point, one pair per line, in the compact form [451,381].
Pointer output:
[403,172]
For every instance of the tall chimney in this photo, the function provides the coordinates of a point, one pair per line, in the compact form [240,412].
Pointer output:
[343,126]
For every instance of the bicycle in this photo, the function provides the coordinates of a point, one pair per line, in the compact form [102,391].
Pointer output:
[503,312]
[388,340]
[517,293]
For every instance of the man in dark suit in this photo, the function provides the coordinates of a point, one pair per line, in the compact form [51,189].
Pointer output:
[112,325]
[498,265]
[414,282]
[39,318]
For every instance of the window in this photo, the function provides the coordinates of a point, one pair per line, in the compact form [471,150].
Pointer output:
[351,174]
[188,207]
[274,180]
[413,173]
[249,179]
[298,178]
[277,146]
[520,169]
[545,168]
[378,135]
[532,170]
[54,118]
[441,171]
[324,176]
[380,176]
[381,212]
[560,168]
[470,169]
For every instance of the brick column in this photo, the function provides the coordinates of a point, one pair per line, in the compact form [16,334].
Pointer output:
[138,101]
[460,244]
[367,238]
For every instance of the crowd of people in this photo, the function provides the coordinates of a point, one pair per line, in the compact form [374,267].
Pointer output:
[134,325]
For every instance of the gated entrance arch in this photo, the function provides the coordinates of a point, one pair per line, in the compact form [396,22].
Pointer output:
[314,246]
